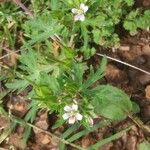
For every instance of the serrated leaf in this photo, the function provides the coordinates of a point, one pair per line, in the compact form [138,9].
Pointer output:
[17,85]
[111,102]
[51,82]
[54,4]
[41,28]
[78,70]
[30,61]
[130,26]
[96,36]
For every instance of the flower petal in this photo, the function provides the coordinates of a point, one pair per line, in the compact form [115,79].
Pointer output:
[82,17]
[79,116]
[68,108]
[66,116]
[74,107]
[76,17]
[72,120]
[74,11]
[83,7]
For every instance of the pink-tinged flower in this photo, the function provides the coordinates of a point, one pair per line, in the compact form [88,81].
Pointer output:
[71,114]
[79,14]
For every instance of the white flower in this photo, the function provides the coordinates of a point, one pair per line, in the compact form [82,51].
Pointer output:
[72,114]
[80,13]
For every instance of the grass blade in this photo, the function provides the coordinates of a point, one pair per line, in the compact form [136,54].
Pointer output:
[109,139]
[86,131]
[68,133]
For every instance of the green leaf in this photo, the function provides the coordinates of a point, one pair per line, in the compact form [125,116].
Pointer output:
[70,130]
[130,26]
[54,4]
[67,133]
[87,131]
[51,82]
[17,85]
[29,60]
[41,28]
[31,115]
[93,77]
[84,33]
[58,123]
[26,135]
[129,2]
[135,108]
[144,146]
[3,94]
[96,35]
[78,70]
[111,102]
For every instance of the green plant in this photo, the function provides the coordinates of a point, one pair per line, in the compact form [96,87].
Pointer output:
[135,20]
[56,83]
[49,63]
[87,23]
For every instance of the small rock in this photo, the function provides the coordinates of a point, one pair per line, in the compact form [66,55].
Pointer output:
[16,141]
[146,49]
[144,79]
[147,92]
[124,48]
[4,122]
[41,122]
[140,60]
[86,141]
[146,112]
[45,140]
[42,138]
[18,106]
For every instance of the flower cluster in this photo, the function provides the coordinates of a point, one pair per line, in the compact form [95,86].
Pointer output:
[79,14]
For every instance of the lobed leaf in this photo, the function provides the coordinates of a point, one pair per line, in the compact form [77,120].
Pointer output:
[111,102]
